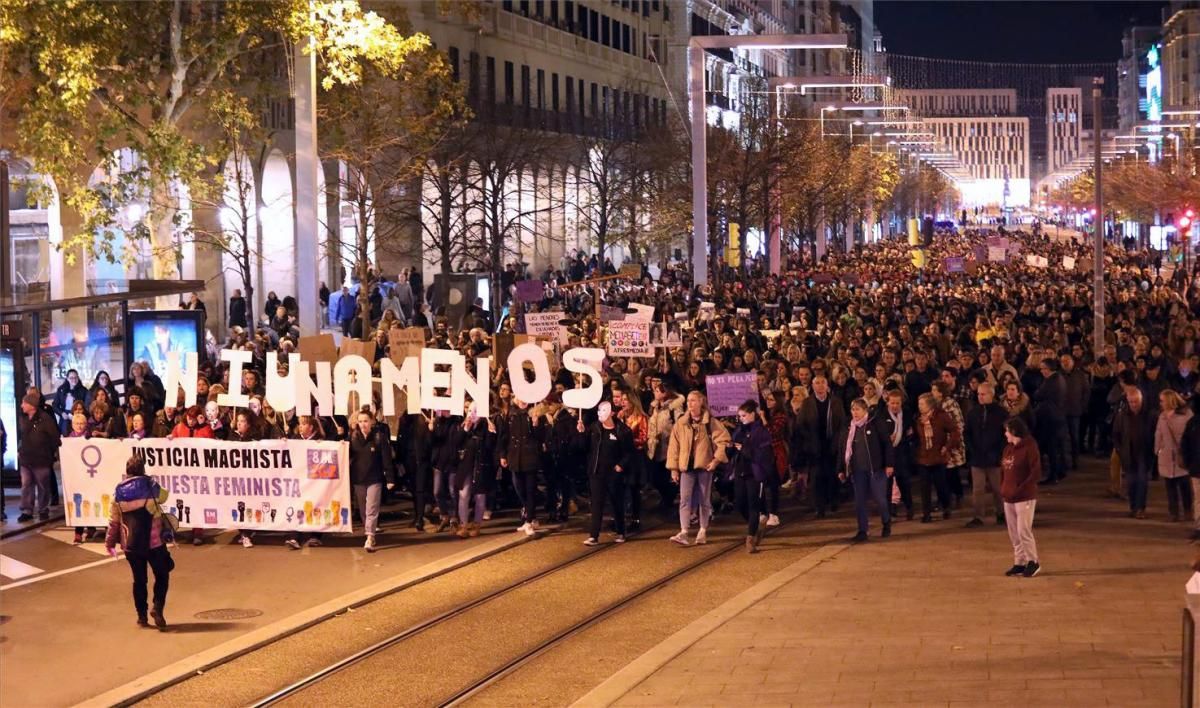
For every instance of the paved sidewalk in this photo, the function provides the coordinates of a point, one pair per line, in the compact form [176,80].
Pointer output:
[927,618]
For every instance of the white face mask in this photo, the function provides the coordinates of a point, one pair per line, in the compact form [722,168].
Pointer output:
[604,411]
[211,410]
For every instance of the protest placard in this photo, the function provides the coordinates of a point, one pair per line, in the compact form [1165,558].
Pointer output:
[351,346]
[319,347]
[728,391]
[996,255]
[609,313]
[632,271]
[955,264]
[644,313]
[629,339]
[708,310]
[530,290]
[1068,263]
[405,342]
[542,324]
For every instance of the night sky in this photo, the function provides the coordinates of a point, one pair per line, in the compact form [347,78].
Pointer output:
[1036,32]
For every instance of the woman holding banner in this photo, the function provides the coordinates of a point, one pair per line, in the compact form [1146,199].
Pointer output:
[371,465]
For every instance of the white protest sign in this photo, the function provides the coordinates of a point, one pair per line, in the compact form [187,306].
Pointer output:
[627,338]
[1068,263]
[996,255]
[270,485]
[645,313]
[542,324]
[708,310]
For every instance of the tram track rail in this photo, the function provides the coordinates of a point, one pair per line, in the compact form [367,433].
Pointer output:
[503,666]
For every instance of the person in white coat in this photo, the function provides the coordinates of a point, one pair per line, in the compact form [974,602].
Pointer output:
[1168,437]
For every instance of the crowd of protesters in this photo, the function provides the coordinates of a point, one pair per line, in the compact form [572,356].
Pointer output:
[950,391]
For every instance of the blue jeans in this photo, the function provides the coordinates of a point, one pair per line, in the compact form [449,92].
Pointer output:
[871,485]
[1137,483]
[35,479]
[698,486]
[464,503]
[442,486]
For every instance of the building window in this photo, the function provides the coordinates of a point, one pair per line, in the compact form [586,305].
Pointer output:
[539,8]
[553,91]
[525,89]
[491,81]
[541,89]
[570,95]
[508,83]
[453,56]
[605,34]
[626,46]
[507,5]
[554,11]
[569,14]
[595,25]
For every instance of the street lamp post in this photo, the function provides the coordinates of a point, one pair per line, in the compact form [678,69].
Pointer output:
[696,85]
[1098,223]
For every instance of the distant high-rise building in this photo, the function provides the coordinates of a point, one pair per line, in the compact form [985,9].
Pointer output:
[1181,55]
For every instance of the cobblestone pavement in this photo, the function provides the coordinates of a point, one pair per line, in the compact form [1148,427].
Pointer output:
[928,618]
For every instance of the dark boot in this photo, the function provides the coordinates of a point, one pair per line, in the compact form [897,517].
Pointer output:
[159,620]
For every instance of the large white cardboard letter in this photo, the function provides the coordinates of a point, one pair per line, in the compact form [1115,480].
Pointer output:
[586,361]
[236,398]
[433,379]
[352,373]
[477,388]
[406,378]
[178,378]
[529,391]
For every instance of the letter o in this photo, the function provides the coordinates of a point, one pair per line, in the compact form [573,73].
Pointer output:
[529,391]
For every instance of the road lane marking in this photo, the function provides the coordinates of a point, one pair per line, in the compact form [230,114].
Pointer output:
[55,574]
[67,536]
[15,569]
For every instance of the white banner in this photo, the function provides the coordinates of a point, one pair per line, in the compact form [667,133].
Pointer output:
[645,313]
[271,485]
[629,339]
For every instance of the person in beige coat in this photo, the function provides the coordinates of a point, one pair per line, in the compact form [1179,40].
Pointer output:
[1168,436]
[696,447]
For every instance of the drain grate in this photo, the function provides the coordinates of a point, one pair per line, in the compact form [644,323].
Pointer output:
[228,613]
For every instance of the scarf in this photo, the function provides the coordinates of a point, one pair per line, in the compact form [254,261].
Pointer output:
[855,426]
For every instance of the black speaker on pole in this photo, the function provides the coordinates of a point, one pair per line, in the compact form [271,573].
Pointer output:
[927,231]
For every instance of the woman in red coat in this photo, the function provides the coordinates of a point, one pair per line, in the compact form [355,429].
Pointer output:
[1020,470]
[193,425]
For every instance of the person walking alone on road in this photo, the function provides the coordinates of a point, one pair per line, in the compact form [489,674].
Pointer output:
[371,465]
[1020,470]
[1133,439]
[697,446]
[753,464]
[610,449]
[866,459]
[1168,441]
[136,521]
[985,440]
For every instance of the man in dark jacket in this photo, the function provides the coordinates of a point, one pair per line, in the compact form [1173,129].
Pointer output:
[416,450]
[1079,387]
[610,449]
[237,310]
[565,452]
[865,456]
[520,451]
[896,422]
[1049,401]
[39,441]
[371,465]
[1133,439]
[983,432]
[820,420]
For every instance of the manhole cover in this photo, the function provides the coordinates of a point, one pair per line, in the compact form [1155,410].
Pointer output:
[228,613]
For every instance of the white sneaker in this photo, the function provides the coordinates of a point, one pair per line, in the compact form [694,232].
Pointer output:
[620,538]
[246,542]
[487,514]
[589,541]
[701,537]
[370,544]
[681,538]
[292,544]
[787,484]
[528,529]
[772,520]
